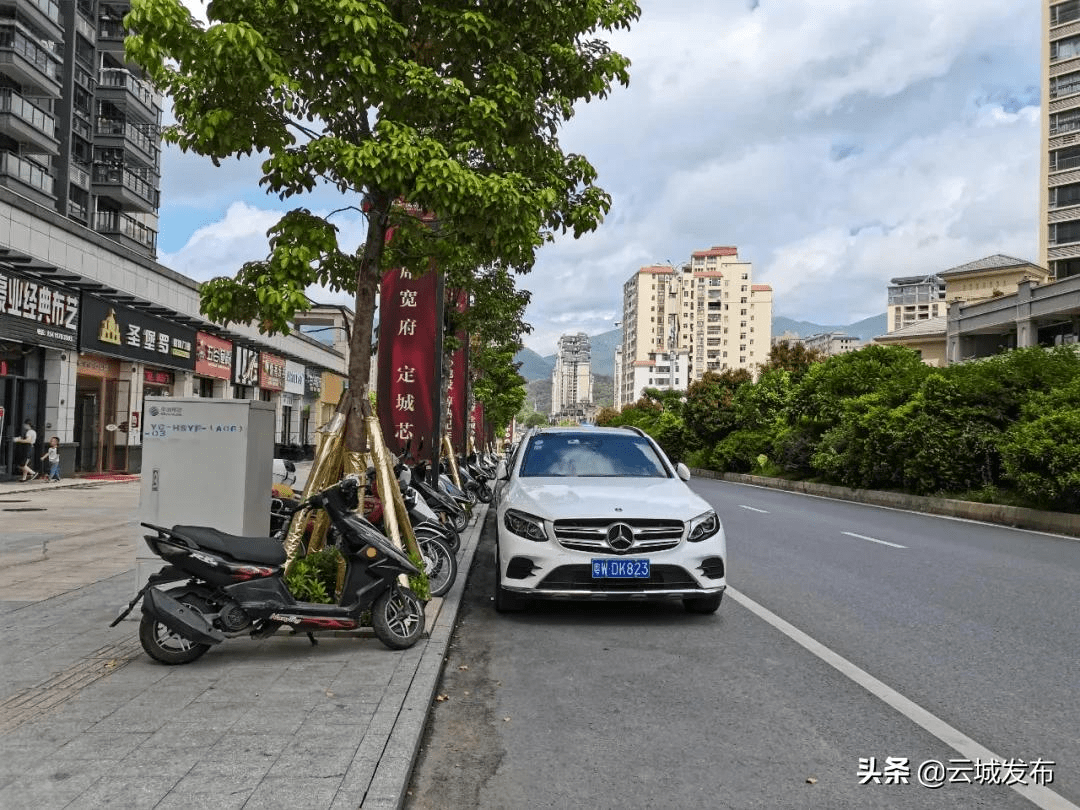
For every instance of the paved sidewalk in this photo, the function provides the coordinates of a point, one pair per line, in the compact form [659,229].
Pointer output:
[87,720]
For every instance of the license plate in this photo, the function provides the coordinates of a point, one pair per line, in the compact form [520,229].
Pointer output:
[620,569]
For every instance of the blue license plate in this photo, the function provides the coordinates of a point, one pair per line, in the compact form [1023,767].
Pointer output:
[620,569]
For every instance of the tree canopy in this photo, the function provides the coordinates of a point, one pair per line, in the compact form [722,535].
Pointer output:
[438,119]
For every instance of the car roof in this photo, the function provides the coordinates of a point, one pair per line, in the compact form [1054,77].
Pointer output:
[617,431]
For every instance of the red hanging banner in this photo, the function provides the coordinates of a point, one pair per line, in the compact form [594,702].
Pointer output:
[408,387]
[477,427]
[457,385]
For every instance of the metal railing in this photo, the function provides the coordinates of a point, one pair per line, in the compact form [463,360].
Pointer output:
[113,175]
[50,8]
[120,223]
[118,77]
[23,170]
[12,102]
[131,132]
[41,57]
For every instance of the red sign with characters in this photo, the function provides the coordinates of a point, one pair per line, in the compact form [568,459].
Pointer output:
[156,377]
[271,372]
[457,385]
[408,392]
[213,356]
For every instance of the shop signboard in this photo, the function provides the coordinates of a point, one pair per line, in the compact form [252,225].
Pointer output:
[271,372]
[155,376]
[294,378]
[332,387]
[36,313]
[245,366]
[313,378]
[213,356]
[114,330]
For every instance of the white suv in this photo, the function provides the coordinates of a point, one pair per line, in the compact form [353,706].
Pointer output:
[601,513]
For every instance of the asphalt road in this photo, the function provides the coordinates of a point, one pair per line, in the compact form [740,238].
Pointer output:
[571,705]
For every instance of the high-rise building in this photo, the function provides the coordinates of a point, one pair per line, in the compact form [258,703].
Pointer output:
[914,298]
[571,380]
[1059,200]
[678,323]
[79,127]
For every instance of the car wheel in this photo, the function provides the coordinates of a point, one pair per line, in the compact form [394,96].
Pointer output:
[505,601]
[703,604]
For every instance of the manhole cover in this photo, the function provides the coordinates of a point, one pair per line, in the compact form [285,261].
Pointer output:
[24,508]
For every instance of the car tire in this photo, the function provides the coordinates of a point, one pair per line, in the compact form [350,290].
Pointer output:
[505,601]
[703,604]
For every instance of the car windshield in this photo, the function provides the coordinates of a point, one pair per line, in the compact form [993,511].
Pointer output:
[598,455]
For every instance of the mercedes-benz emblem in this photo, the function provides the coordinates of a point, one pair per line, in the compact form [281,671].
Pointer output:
[620,537]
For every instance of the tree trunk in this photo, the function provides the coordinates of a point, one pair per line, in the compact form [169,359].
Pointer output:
[368,277]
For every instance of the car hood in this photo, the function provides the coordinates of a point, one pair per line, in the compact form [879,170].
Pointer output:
[558,498]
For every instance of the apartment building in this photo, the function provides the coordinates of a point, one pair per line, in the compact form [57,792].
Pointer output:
[79,128]
[571,380]
[1059,202]
[913,299]
[678,323]
[830,344]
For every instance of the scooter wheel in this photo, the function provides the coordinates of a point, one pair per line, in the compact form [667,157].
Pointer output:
[398,618]
[461,520]
[484,493]
[440,565]
[168,646]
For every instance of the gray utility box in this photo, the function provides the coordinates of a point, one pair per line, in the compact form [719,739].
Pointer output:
[205,462]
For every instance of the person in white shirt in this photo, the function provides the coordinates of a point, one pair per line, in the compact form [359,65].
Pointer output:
[26,451]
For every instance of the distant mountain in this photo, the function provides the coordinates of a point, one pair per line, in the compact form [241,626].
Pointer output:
[866,329]
[533,366]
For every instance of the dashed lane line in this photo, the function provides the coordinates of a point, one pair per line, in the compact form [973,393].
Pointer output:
[874,540]
[753,509]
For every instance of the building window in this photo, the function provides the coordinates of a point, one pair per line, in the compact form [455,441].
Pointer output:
[1062,13]
[1063,233]
[1064,85]
[1068,121]
[1061,196]
[1065,48]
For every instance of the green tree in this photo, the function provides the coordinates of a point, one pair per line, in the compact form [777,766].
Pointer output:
[707,411]
[794,358]
[451,107]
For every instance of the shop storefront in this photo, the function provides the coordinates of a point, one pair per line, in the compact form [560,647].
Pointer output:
[126,355]
[271,387]
[333,386]
[39,325]
[292,400]
[309,415]
[213,365]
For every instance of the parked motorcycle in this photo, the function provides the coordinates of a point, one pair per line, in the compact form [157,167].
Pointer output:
[444,505]
[223,586]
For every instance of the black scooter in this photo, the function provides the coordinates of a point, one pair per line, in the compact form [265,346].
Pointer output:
[223,586]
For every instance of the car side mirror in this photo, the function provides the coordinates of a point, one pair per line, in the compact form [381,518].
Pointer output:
[502,472]
[682,471]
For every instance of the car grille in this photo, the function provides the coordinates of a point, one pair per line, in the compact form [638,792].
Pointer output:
[579,578]
[591,535]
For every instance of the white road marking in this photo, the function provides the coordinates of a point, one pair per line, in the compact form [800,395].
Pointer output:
[1040,796]
[752,509]
[873,540]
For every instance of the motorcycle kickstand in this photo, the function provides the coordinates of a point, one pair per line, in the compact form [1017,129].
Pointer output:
[314,641]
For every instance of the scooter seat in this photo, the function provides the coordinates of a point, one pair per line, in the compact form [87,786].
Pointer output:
[249,549]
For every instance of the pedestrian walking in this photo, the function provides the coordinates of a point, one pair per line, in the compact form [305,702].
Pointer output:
[25,450]
[53,456]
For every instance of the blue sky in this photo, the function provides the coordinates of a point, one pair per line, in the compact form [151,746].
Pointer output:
[836,143]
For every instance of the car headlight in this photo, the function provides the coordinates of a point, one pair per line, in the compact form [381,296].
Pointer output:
[525,525]
[703,526]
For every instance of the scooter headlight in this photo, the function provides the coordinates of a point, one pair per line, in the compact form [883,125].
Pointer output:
[525,525]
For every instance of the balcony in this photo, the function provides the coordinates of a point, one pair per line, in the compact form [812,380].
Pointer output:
[124,187]
[123,88]
[126,229]
[43,14]
[79,176]
[117,133]
[28,62]
[27,123]
[26,178]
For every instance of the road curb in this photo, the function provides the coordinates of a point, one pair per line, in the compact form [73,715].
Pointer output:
[1062,523]
[386,791]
